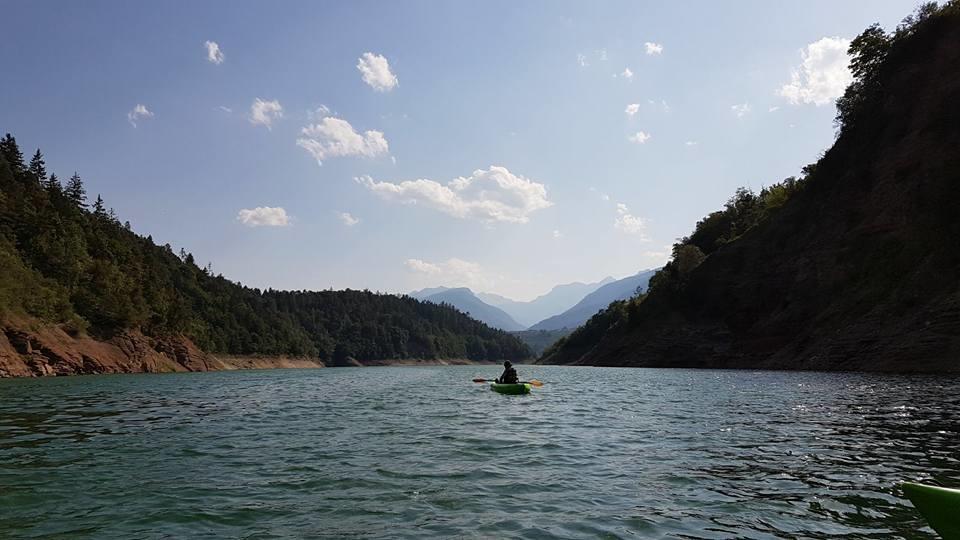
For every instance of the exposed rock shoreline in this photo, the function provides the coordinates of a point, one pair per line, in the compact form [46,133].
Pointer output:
[29,348]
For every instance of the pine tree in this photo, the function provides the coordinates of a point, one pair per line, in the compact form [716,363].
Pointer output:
[53,184]
[98,209]
[75,191]
[11,152]
[38,168]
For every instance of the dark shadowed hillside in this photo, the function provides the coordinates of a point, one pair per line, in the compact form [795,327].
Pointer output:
[854,266]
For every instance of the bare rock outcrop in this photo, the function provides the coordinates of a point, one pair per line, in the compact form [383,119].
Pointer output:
[29,348]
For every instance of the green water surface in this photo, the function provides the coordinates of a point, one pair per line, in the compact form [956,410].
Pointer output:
[423,452]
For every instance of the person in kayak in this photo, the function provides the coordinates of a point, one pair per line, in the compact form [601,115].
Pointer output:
[509,375]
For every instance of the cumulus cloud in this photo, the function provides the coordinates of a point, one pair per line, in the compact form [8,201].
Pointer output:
[225,109]
[627,74]
[375,71]
[629,223]
[263,216]
[319,113]
[335,137]
[691,143]
[265,112]
[774,108]
[632,109]
[639,137]
[823,73]
[137,113]
[557,234]
[418,265]
[582,60]
[453,272]
[491,195]
[653,48]
[214,54]
[740,110]
[348,219]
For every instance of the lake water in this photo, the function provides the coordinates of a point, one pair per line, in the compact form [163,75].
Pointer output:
[423,452]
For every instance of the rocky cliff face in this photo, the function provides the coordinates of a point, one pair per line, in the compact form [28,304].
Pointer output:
[858,271]
[31,349]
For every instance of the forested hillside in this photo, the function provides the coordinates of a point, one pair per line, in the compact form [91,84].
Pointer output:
[71,262]
[852,266]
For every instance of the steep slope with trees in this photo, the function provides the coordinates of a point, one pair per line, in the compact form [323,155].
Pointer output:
[854,266]
[74,268]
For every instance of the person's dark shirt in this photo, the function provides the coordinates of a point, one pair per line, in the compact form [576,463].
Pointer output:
[509,376]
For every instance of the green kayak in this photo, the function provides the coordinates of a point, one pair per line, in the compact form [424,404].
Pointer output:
[940,506]
[522,388]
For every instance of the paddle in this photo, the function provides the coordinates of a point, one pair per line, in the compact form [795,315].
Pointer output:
[534,382]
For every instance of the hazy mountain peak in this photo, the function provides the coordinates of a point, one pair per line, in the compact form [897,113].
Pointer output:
[466,301]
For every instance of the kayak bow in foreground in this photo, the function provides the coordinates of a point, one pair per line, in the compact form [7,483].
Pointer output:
[939,506]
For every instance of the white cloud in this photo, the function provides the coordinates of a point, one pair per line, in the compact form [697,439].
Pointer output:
[225,109]
[138,112]
[492,195]
[265,112]
[629,223]
[376,72]
[319,113]
[453,272]
[627,74]
[421,266]
[691,143]
[214,54]
[557,234]
[582,60]
[773,109]
[823,74]
[335,137]
[263,216]
[603,55]
[632,109]
[653,48]
[740,110]
[639,137]
[348,219]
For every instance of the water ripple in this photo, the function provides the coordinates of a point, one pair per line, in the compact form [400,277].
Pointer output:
[420,452]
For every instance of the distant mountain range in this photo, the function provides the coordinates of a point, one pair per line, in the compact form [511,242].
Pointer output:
[620,289]
[558,300]
[566,306]
[463,299]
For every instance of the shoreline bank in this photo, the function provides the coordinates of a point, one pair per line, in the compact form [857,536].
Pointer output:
[29,348]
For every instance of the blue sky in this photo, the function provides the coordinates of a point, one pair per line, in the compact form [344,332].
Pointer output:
[586,136]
